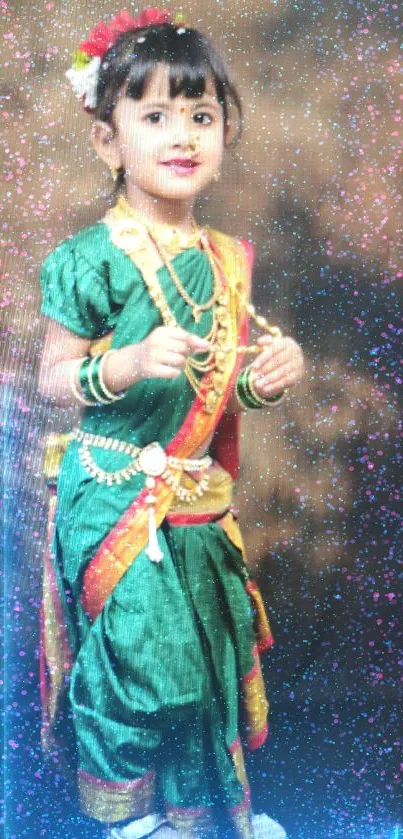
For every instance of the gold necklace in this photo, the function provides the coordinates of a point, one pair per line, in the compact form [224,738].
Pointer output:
[197,308]
[169,241]
[172,240]
[216,336]
[136,247]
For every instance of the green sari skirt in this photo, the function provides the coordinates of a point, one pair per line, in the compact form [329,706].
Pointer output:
[155,685]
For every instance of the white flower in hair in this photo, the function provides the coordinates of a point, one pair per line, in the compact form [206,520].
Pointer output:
[84,82]
[84,73]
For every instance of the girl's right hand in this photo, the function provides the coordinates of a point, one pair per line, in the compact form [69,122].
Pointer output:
[164,352]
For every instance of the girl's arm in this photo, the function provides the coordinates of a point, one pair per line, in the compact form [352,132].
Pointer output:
[61,350]
[162,354]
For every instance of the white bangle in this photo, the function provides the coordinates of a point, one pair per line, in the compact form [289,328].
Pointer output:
[74,389]
[112,397]
[93,390]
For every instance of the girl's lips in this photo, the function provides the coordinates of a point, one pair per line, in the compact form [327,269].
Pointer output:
[182,166]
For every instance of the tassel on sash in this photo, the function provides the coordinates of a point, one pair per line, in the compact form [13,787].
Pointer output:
[153,549]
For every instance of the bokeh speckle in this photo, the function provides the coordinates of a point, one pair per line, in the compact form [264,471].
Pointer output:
[315,184]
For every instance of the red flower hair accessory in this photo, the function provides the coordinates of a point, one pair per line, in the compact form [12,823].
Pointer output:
[83,75]
[104,35]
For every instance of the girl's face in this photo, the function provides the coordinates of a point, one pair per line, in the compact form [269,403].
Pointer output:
[169,148]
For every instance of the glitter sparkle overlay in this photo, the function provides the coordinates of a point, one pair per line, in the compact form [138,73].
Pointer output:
[314,183]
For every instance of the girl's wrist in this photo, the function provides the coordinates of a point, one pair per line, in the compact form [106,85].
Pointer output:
[249,397]
[274,398]
[121,368]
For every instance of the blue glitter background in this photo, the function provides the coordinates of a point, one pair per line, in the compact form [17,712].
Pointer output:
[315,184]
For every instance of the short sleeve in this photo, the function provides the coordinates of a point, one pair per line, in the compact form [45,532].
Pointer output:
[74,292]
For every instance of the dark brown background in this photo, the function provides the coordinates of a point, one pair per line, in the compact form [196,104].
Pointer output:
[315,184]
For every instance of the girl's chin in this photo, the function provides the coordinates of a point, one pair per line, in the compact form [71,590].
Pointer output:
[173,194]
[174,187]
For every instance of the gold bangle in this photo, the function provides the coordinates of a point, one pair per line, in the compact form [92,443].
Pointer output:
[262,400]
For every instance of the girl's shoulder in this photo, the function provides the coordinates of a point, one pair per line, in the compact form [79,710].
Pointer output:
[232,246]
[225,240]
[77,290]
[91,244]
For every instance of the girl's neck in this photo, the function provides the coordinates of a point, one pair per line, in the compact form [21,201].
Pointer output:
[177,214]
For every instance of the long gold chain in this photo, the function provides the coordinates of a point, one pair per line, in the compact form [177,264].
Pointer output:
[133,239]
[215,336]
[169,241]
[197,308]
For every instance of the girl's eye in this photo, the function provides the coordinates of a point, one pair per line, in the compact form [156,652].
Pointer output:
[203,118]
[155,117]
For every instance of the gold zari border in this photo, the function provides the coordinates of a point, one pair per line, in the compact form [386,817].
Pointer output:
[255,703]
[187,823]
[108,802]
[243,825]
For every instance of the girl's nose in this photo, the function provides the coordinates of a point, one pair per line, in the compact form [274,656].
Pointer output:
[189,140]
[184,134]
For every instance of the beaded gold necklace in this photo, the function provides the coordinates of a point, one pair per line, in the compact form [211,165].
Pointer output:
[197,308]
[133,236]
[170,238]
[169,241]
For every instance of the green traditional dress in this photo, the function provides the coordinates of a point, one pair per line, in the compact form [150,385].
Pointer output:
[156,677]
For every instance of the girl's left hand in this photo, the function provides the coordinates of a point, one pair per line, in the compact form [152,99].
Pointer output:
[279,366]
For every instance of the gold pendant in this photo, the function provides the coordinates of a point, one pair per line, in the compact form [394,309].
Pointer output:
[211,402]
[222,315]
[220,361]
[197,314]
[218,384]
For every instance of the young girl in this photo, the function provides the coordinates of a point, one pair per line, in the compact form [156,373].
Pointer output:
[149,613]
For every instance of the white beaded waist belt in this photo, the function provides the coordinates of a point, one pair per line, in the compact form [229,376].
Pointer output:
[151,459]
[153,462]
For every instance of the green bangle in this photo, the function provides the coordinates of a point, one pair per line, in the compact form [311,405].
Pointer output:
[84,381]
[247,395]
[264,401]
[94,381]
[75,390]
[244,395]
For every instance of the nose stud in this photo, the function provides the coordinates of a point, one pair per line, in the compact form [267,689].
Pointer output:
[194,143]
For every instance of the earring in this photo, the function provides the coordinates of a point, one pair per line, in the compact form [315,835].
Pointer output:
[114,173]
[216,176]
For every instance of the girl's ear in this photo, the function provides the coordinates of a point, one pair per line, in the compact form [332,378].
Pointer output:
[227,133]
[105,143]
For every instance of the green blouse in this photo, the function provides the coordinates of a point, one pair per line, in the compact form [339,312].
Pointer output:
[92,287]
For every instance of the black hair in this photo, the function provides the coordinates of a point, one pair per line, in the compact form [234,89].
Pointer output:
[191,59]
